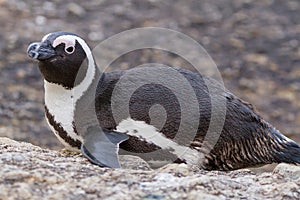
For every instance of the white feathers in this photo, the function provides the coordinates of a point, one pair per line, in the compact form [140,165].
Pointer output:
[45,37]
[68,40]
[149,134]
[61,105]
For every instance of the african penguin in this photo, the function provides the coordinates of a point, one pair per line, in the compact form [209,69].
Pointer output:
[78,107]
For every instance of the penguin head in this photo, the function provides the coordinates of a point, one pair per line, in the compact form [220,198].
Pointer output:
[63,58]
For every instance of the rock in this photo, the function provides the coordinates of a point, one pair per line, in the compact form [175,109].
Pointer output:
[178,169]
[95,36]
[236,43]
[30,172]
[254,40]
[76,9]
[133,162]
[288,171]
[259,59]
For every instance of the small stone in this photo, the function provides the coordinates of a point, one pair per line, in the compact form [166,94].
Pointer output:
[22,191]
[21,73]
[67,152]
[16,176]
[293,5]
[257,58]
[288,171]
[49,6]
[40,20]
[95,36]
[133,162]
[13,157]
[177,169]
[237,43]
[246,83]
[76,9]
[203,195]
[46,176]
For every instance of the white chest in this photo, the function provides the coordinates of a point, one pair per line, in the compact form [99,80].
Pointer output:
[60,103]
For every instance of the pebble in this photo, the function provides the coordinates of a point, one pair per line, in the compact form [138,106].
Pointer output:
[40,20]
[288,171]
[76,9]
[95,36]
[257,58]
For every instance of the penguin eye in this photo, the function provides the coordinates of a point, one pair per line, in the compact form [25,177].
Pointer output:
[70,49]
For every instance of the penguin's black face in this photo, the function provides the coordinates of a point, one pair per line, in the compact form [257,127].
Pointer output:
[62,58]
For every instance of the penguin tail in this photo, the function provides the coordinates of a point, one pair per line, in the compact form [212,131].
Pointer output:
[290,154]
[286,150]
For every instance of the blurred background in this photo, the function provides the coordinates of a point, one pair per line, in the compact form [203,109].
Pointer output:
[254,43]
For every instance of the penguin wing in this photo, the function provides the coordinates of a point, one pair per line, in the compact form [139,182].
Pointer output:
[101,147]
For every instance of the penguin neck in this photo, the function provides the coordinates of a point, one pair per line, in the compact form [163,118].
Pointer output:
[61,102]
[61,93]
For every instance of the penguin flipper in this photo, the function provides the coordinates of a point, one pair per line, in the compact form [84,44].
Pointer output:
[101,147]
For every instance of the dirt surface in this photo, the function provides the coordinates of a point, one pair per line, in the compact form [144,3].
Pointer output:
[254,43]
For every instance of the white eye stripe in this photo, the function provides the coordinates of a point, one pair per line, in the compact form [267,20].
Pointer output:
[45,37]
[68,40]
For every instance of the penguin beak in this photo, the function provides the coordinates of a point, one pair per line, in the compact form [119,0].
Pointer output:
[40,51]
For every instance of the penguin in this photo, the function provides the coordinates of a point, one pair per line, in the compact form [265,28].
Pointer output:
[79,108]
